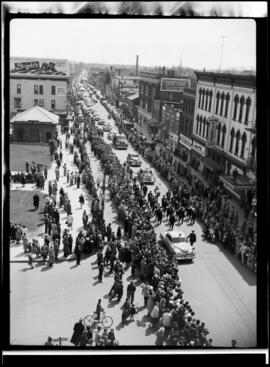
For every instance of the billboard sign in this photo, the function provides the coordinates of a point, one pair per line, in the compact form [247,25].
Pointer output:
[174,84]
[33,65]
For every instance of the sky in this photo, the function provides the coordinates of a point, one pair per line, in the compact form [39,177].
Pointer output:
[158,42]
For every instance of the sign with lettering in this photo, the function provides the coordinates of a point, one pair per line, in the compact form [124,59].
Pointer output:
[34,65]
[185,141]
[198,148]
[174,85]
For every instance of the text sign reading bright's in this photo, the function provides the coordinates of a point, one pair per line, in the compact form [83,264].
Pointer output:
[174,85]
[33,65]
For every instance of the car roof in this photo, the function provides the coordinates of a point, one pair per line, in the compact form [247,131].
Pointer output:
[175,234]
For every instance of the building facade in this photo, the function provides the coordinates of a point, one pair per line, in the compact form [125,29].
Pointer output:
[35,84]
[225,110]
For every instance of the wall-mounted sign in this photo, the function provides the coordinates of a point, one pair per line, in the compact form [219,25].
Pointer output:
[61,91]
[199,148]
[174,85]
[34,65]
[185,141]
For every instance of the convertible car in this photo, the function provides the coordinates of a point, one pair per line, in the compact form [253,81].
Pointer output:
[177,243]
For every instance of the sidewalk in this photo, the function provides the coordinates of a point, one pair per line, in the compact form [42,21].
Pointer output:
[16,251]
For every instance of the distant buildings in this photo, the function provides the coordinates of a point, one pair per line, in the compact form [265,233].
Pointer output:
[38,82]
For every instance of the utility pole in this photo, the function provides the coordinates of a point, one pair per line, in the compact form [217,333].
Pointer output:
[221,51]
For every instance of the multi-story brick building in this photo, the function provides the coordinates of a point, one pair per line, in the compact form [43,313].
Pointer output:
[225,110]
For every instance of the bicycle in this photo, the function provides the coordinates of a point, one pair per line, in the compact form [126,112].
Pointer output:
[106,321]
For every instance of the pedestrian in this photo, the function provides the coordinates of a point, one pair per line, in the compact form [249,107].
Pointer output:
[70,220]
[160,336]
[100,271]
[51,256]
[65,169]
[145,293]
[78,181]
[56,248]
[77,332]
[99,309]
[49,342]
[77,251]
[45,172]
[25,242]
[27,166]
[81,200]
[36,201]
[57,173]
[30,260]
[131,288]
[172,221]
[155,315]
[192,238]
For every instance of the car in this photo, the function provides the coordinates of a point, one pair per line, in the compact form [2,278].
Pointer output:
[101,122]
[110,136]
[107,128]
[119,141]
[177,244]
[146,176]
[134,160]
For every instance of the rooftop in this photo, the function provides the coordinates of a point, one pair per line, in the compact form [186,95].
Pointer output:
[36,114]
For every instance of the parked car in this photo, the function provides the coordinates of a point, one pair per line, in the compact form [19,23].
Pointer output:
[146,176]
[119,141]
[134,160]
[107,128]
[177,243]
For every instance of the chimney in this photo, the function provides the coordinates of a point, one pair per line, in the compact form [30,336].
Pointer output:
[137,64]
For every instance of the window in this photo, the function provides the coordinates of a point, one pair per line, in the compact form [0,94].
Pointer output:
[236,101]
[35,89]
[41,89]
[35,102]
[19,89]
[41,103]
[223,136]
[222,103]
[171,97]
[237,136]
[210,102]
[53,104]
[227,104]
[207,129]
[200,132]
[242,102]
[53,90]
[218,134]
[232,139]
[17,102]
[200,97]
[206,101]
[153,92]
[204,125]
[203,95]
[244,140]
[248,104]
[217,97]
[197,125]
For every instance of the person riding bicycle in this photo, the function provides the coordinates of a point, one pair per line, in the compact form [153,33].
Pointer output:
[99,309]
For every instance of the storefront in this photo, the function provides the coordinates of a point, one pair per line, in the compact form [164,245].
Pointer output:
[198,153]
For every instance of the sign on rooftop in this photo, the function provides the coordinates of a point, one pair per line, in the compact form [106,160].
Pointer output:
[174,85]
[32,65]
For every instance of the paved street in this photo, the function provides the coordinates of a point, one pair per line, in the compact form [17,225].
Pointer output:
[48,301]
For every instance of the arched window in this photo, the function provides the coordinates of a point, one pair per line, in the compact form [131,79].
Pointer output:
[217,103]
[244,140]
[222,103]
[236,101]
[242,102]
[200,131]
[248,104]
[197,125]
[227,104]
[203,95]
[232,139]
[206,101]
[218,134]
[204,125]
[237,136]
[200,97]
[210,102]
[253,147]
[223,136]
[207,129]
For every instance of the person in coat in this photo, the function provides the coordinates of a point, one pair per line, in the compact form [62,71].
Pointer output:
[36,201]
[131,288]
[30,260]
[192,238]
[77,251]
[77,332]
[150,303]
[155,314]
[51,256]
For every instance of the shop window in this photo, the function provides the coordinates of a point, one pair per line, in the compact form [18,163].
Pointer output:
[17,102]
[41,103]
[35,89]
[53,89]
[41,89]
[19,89]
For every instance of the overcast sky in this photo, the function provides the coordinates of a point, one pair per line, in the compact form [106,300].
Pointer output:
[158,42]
